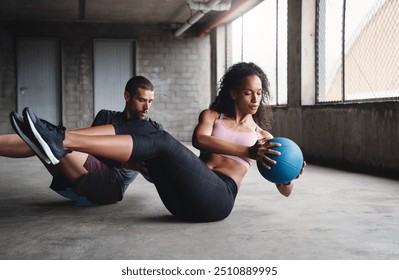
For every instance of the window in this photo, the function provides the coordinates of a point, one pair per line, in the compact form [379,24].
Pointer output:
[357,46]
[260,36]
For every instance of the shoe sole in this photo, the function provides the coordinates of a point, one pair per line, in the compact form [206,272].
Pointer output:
[26,139]
[39,138]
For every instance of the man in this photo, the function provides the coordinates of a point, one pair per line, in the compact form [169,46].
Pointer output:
[81,177]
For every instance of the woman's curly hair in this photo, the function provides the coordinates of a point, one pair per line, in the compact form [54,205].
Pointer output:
[232,80]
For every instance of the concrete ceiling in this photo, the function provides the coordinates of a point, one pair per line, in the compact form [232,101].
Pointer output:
[173,12]
[133,11]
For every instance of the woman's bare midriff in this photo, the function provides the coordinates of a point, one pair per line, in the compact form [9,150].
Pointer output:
[226,166]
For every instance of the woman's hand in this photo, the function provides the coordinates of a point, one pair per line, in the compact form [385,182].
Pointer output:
[303,168]
[260,150]
[286,189]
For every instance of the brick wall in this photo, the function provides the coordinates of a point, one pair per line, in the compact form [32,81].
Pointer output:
[7,79]
[178,67]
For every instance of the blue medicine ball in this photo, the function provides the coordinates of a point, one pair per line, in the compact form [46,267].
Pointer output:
[288,164]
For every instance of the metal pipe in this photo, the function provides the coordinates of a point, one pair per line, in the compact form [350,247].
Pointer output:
[197,16]
[224,5]
[241,5]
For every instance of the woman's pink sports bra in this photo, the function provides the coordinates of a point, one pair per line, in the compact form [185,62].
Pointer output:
[220,130]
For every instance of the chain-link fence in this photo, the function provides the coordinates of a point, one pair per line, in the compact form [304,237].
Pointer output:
[357,50]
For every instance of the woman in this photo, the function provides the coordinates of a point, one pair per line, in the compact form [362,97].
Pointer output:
[195,189]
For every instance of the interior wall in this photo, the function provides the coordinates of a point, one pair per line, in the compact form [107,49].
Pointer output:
[178,67]
[361,137]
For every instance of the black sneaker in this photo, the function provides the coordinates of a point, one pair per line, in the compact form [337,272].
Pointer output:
[48,135]
[20,128]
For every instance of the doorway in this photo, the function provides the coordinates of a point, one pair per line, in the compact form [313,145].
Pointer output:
[38,77]
[113,67]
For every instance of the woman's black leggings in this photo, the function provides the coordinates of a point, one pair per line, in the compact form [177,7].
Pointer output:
[187,187]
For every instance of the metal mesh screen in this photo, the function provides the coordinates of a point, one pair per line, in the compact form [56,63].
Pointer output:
[357,50]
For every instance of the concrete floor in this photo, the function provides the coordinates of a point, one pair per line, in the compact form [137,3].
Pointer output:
[332,215]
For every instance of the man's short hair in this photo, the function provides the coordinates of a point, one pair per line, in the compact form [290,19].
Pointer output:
[138,82]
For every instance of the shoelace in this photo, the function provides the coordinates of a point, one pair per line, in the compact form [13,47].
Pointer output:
[60,129]
[50,126]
